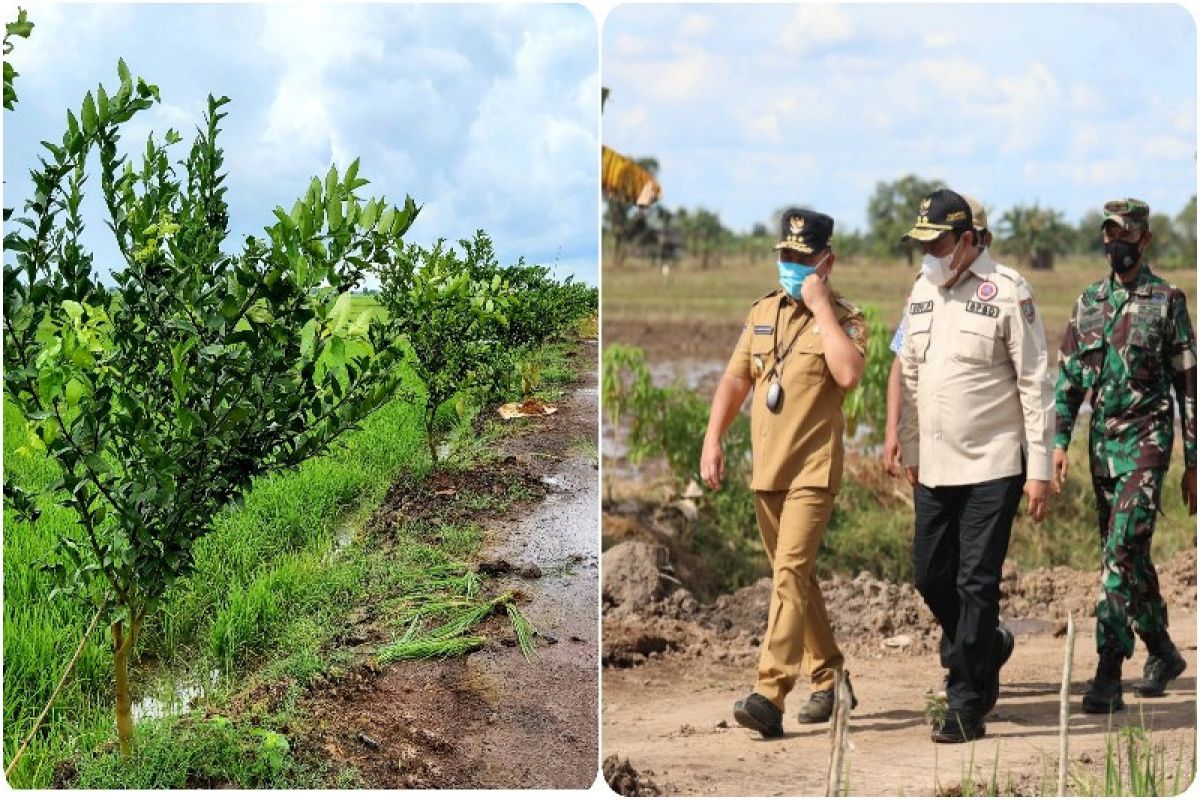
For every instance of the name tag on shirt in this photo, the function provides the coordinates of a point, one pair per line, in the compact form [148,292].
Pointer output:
[763,328]
[920,308]
[983,309]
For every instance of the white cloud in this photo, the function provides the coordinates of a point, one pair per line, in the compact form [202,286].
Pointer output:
[696,26]
[816,25]
[308,43]
[1169,148]
[938,39]
[688,78]
[523,151]
[1086,99]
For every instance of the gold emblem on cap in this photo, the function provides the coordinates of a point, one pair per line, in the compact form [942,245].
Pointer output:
[925,206]
[796,223]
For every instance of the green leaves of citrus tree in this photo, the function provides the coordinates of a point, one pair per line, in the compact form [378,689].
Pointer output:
[450,310]
[162,396]
[21,27]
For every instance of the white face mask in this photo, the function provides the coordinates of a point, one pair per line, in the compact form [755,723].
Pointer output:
[937,270]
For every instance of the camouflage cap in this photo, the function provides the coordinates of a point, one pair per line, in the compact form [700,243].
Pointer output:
[1128,212]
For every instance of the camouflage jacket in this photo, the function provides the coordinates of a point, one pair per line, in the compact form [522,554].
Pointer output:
[1129,348]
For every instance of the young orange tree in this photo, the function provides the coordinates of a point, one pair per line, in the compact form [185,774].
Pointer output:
[163,396]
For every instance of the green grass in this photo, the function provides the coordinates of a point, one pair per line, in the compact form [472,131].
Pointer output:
[270,585]
[637,292]
[262,581]
[192,753]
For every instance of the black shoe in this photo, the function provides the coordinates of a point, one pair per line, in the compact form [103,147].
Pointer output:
[759,714]
[958,727]
[1160,668]
[819,707]
[1104,691]
[1007,642]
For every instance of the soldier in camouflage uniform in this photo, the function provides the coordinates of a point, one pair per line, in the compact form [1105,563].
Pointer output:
[1129,342]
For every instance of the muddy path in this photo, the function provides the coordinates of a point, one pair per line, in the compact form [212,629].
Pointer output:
[671,719]
[492,719]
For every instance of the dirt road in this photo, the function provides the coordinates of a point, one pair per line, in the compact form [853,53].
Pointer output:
[671,719]
[492,719]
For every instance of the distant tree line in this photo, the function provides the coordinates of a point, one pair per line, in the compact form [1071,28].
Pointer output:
[1031,235]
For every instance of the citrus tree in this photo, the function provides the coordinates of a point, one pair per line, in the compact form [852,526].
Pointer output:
[164,393]
[22,27]
[449,309]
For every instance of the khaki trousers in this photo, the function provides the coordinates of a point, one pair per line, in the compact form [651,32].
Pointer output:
[798,637]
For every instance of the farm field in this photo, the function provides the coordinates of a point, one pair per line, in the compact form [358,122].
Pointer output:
[298,591]
[698,313]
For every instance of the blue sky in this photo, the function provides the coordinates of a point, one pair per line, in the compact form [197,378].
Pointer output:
[486,115]
[753,108]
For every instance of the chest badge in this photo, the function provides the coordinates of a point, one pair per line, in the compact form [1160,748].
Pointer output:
[987,291]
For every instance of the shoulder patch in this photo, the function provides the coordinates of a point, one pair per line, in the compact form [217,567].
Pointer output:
[849,307]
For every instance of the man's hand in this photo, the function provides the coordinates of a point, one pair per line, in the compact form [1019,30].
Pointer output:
[815,293]
[712,465]
[891,455]
[1038,493]
[913,475]
[1059,476]
[1189,489]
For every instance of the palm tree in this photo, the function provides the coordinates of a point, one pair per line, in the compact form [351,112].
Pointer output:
[1035,235]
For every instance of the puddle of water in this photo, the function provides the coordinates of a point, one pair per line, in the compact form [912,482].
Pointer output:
[175,698]
[554,481]
[691,373]
[343,536]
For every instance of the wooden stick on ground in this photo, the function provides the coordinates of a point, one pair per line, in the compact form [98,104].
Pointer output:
[1064,708]
[837,734]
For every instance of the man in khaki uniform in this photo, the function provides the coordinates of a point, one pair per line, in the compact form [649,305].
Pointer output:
[801,350]
[977,417]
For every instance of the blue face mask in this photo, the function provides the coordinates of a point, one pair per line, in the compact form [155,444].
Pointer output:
[791,276]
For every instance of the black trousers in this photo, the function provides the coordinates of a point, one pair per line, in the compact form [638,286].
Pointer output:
[961,540]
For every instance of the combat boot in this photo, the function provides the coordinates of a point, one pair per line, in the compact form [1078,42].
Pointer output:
[819,707]
[759,714]
[1164,665]
[1104,692]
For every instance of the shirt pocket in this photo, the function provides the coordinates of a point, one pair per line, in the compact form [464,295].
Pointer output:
[1090,355]
[976,342]
[807,360]
[1143,353]
[761,359]
[916,337]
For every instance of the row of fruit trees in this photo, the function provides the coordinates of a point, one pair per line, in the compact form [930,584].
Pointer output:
[164,392]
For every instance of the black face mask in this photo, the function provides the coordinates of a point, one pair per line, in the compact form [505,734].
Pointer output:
[1122,256]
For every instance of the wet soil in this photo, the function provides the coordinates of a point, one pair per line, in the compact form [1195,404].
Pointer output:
[677,340]
[490,719]
[674,667]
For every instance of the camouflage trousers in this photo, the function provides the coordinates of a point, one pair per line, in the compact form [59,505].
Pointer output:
[1126,506]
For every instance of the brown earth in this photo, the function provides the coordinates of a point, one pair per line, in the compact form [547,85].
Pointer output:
[489,719]
[673,668]
[675,340]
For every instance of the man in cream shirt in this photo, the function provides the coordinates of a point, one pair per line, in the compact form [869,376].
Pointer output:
[976,428]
